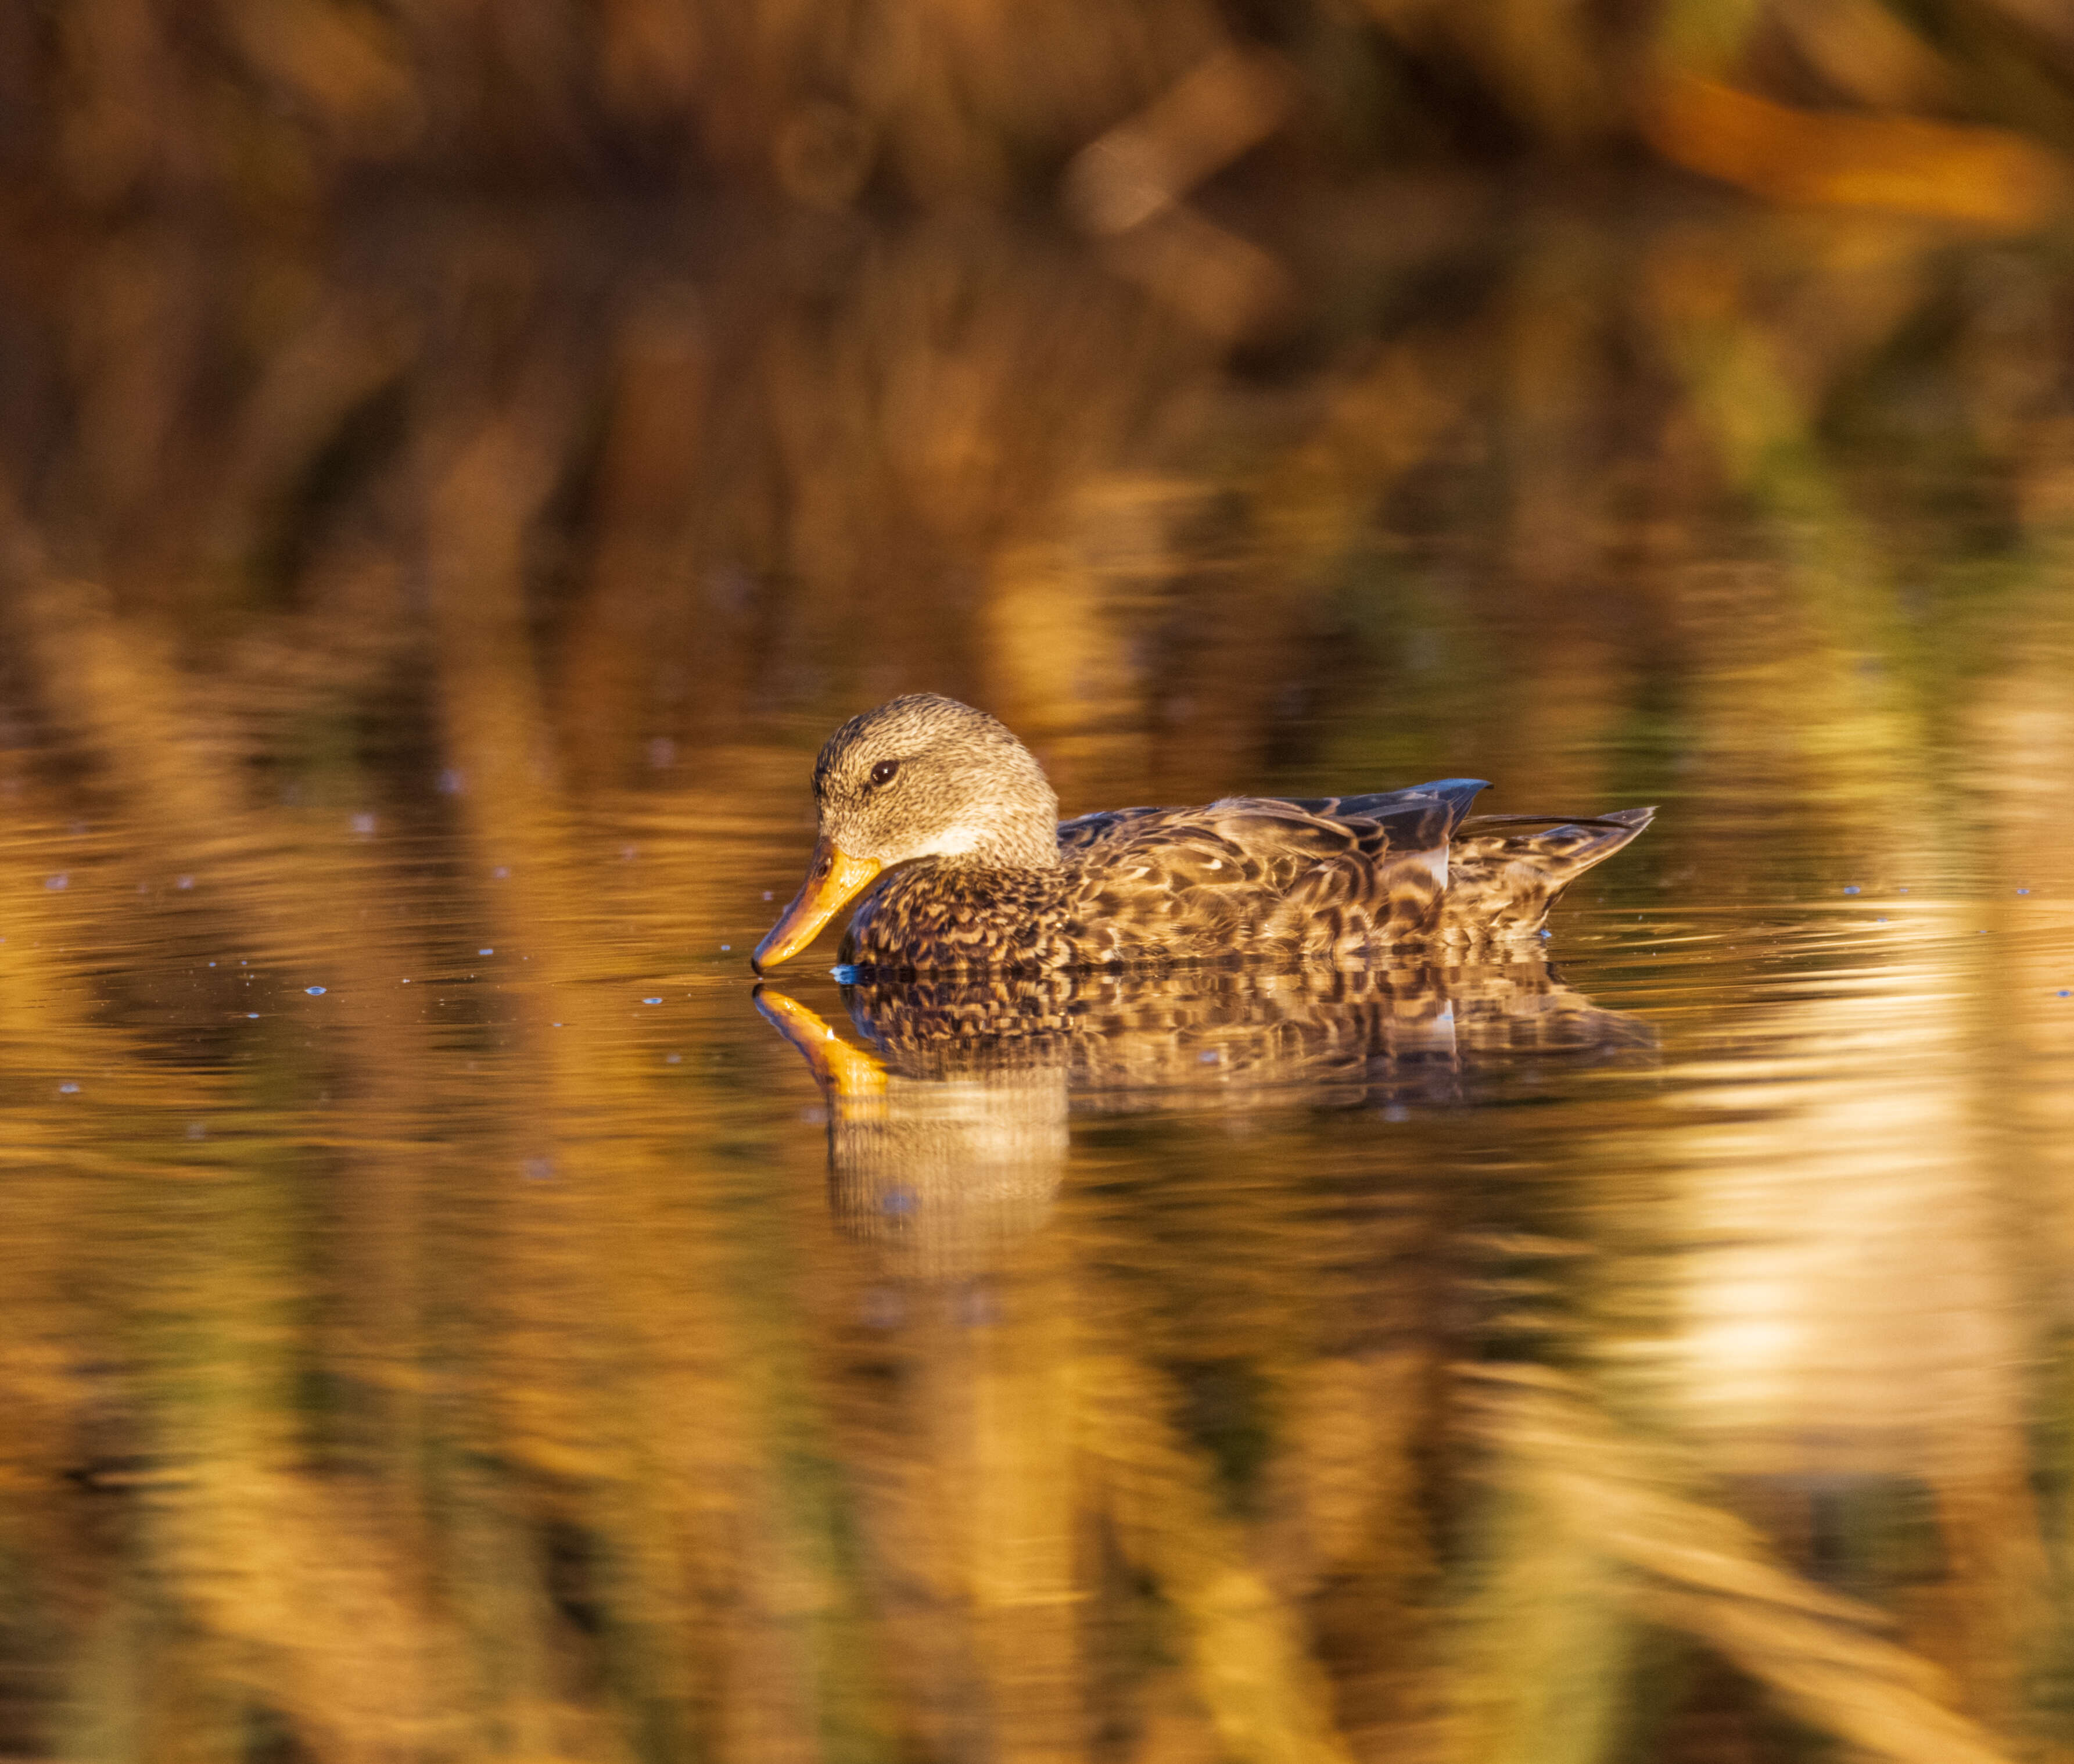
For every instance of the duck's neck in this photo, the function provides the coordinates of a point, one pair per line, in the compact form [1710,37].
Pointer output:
[1025,842]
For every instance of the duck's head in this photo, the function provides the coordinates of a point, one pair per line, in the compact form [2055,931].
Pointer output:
[920,777]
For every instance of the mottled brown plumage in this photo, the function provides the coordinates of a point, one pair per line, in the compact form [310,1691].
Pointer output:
[994,883]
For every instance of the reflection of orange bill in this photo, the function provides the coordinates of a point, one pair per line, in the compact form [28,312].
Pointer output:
[834,878]
[845,1072]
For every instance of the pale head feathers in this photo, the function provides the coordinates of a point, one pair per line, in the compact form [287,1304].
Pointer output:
[925,776]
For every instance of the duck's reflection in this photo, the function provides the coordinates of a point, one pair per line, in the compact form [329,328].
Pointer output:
[948,1130]
[939,1152]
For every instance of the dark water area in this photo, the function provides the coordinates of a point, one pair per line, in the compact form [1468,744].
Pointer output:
[452,1312]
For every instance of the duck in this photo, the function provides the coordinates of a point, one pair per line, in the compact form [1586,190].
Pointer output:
[934,813]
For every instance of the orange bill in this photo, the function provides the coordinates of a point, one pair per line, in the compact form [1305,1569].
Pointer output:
[834,878]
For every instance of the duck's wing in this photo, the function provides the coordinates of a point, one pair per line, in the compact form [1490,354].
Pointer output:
[1263,876]
[1335,878]
[1113,826]
[1505,871]
[1454,794]
[1085,831]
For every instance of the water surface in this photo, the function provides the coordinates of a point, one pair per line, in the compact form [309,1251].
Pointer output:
[452,1314]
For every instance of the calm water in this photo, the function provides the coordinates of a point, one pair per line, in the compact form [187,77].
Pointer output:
[453,1313]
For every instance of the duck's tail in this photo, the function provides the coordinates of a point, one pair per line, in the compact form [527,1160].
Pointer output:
[1505,871]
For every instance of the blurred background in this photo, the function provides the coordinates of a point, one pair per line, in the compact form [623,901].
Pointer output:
[1107,362]
[735,359]
[459,461]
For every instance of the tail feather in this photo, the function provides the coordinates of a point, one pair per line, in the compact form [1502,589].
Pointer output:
[1505,871]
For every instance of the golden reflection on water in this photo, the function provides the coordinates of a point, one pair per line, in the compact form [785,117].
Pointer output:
[444,1319]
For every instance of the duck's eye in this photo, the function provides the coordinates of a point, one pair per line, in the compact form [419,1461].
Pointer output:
[882,772]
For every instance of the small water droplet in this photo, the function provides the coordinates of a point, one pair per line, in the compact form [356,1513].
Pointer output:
[315,991]
[2023,891]
[898,1202]
[501,872]
[1852,889]
[57,881]
[651,1001]
[183,882]
[68,1089]
[768,895]
[486,951]
[363,823]
[673,1059]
